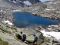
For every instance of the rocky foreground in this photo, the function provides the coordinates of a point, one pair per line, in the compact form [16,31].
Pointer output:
[11,36]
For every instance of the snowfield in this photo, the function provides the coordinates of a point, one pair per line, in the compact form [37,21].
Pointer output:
[56,35]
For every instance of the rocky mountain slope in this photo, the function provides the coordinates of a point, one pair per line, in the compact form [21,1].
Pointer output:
[23,2]
[52,10]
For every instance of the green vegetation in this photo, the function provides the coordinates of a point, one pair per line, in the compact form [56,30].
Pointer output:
[5,28]
[3,42]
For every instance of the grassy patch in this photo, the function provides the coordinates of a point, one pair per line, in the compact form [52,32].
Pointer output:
[3,42]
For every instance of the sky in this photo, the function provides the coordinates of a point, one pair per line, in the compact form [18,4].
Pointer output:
[43,0]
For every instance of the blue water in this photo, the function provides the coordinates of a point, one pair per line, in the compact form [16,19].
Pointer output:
[23,19]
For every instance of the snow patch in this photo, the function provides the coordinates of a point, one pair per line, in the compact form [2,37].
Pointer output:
[27,3]
[56,35]
[53,26]
[14,1]
[16,10]
[49,9]
[8,22]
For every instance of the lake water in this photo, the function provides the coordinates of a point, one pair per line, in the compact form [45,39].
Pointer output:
[23,19]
